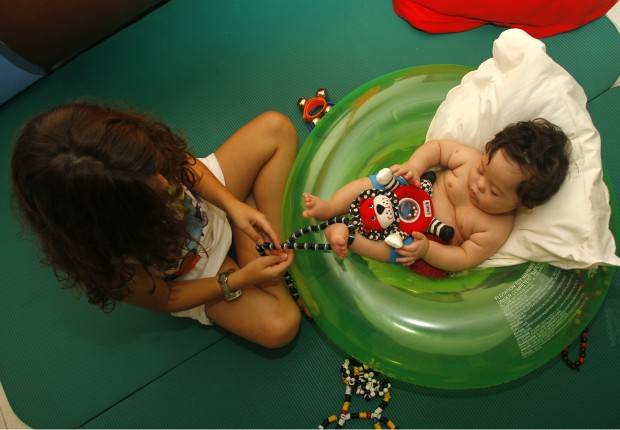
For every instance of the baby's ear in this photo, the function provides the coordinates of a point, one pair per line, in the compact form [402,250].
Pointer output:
[525,207]
[527,204]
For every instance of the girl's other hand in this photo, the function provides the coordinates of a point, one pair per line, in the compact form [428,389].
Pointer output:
[253,223]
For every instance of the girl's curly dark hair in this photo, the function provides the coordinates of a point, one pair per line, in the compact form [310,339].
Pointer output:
[540,149]
[78,175]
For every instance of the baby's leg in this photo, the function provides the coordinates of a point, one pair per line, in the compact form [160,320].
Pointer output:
[318,208]
[339,203]
[337,236]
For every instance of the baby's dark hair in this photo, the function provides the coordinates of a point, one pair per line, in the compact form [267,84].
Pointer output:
[541,150]
[79,176]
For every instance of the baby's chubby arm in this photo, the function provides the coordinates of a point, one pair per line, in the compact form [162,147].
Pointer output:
[447,153]
[489,235]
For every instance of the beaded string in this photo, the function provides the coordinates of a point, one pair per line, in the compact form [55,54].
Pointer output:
[291,244]
[582,352]
[362,380]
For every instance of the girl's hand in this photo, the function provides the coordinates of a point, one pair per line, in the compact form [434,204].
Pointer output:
[414,251]
[411,174]
[253,223]
[269,269]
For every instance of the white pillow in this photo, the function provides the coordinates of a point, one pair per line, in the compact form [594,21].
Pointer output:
[521,82]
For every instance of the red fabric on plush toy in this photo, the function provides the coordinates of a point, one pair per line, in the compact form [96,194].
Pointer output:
[394,211]
[406,209]
[392,216]
[541,18]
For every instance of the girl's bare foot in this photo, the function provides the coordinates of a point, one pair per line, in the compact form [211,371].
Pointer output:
[337,235]
[317,208]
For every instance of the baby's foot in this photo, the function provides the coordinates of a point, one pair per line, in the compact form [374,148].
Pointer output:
[337,235]
[316,208]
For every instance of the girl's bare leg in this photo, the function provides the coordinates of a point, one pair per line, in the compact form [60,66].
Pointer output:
[257,160]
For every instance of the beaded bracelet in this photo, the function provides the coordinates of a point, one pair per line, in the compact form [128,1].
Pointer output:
[582,352]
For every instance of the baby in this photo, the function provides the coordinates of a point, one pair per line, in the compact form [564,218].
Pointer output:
[476,192]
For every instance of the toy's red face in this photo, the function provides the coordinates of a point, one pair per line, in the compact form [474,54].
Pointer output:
[377,213]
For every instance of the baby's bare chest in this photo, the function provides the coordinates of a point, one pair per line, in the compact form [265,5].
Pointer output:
[452,206]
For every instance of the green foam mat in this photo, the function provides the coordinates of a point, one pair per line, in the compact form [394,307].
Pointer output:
[207,68]
[235,385]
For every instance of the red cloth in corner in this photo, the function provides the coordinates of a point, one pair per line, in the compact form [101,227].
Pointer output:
[539,18]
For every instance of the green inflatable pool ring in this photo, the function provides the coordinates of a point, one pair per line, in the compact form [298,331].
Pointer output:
[481,328]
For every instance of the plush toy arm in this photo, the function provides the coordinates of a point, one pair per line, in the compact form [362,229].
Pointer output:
[426,182]
[388,181]
[441,230]
[394,240]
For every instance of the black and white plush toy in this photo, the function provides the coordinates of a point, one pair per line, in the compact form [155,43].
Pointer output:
[394,211]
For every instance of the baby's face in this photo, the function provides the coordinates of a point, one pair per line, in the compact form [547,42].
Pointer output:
[493,184]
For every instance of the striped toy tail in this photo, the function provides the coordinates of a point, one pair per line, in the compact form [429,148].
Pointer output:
[291,244]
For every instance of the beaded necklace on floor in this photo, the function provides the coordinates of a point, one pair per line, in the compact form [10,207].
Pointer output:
[363,381]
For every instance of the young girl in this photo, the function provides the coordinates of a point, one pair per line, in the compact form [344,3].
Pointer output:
[126,213]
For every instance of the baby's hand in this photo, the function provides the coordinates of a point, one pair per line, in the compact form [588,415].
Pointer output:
[414,251]
[411,174]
